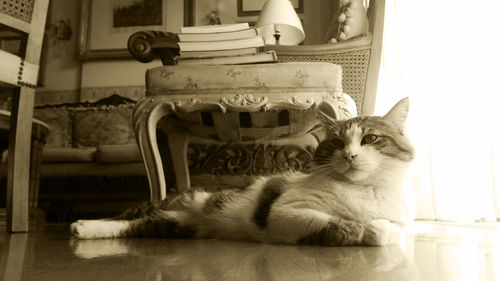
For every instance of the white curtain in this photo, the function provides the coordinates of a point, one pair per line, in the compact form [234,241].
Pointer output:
[444,55]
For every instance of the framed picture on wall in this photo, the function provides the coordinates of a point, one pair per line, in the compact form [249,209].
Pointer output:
[106,25]
[206,12]
[253,7]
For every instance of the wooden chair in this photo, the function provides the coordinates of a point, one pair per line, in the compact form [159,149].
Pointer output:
[359,59]
[25,18]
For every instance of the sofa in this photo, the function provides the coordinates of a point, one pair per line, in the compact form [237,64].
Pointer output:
[91,166]
[90,139]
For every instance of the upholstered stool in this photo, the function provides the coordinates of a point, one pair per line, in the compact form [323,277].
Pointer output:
[241,120]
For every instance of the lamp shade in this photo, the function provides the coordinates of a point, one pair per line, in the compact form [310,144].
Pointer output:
[279,15]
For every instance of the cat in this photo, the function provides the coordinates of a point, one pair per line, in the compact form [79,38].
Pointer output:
[355,195]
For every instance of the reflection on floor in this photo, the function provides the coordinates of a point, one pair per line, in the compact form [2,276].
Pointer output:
[432,252]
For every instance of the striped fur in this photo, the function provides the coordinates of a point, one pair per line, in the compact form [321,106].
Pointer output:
[355,195]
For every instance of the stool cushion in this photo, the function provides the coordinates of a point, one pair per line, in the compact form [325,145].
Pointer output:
[255,78]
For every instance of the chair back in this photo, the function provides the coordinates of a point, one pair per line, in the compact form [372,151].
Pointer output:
[359,58]
[23,20]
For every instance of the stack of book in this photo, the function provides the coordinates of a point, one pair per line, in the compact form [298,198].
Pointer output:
[222,44]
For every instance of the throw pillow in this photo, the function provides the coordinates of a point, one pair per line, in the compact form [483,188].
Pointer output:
[103,125]
[59,121]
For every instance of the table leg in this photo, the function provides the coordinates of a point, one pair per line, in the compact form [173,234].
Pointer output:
[178,145]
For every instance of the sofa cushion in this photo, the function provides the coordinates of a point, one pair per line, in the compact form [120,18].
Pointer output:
[118,153]
[68,154]
[103,125]
[59,121]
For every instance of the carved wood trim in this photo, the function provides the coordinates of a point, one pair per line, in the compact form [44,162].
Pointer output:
[249,159]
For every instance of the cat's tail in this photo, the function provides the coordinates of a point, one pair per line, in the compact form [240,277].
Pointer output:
[144,209]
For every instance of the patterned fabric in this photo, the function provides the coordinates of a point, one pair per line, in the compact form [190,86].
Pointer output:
[107,125]
[59,121]
[253,78]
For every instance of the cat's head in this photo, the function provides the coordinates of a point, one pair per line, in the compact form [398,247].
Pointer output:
[364,149]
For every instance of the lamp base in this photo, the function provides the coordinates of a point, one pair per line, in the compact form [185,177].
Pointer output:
[277,36]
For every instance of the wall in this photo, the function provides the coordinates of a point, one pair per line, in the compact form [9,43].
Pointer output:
[66,79]
[315,17]
[60,71]
[128,75]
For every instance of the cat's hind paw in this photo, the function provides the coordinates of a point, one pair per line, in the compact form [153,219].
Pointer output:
[381,232]
[96,229]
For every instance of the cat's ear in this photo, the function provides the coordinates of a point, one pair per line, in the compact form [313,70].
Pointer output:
[396,117]
[328,115]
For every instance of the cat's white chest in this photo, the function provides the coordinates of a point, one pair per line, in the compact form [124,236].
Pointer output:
[361,203]
[345,202]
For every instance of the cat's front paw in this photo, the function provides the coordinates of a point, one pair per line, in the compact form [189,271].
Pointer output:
[95,229]
[380,232]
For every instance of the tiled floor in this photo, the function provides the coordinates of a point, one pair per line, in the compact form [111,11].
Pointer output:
[433,252]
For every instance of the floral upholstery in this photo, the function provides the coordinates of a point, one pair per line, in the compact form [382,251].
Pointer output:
[251,78]
[94,126]
[59,121]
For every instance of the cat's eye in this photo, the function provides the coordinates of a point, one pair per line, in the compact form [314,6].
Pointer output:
[371,138]
[338,143]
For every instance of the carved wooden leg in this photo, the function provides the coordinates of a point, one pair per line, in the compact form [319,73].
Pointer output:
[146,115]
[178,145]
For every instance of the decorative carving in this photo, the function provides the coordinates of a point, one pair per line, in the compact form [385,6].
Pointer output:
[291,103]
[263,161]
[294,158]
[346,106]
[139,45]
[143,45]
[198,105]
[244,102]
[219,160]
[250,159]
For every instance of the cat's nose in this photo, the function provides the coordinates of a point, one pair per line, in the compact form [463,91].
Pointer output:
[350,156]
